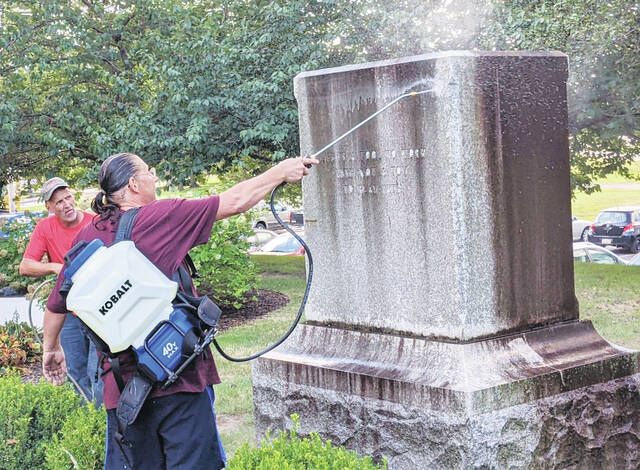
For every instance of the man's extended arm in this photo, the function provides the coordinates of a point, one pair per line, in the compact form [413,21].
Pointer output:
[243,196]
[54,366]
[30,267]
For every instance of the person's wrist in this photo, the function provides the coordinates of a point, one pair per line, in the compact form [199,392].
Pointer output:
[51,348]
[280,173]
[54,268]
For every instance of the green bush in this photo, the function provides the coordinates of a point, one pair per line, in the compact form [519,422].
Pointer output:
[81,441]
[289,452]
[227,273]
[30,415]
[11,251]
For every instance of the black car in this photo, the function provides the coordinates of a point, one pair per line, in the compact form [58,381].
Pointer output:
[619,227]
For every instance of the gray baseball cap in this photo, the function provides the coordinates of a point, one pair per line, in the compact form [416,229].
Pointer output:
[49,187]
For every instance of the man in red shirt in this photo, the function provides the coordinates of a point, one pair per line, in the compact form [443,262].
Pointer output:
[53,236]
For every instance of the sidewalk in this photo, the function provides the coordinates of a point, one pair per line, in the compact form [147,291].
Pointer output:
[17,309]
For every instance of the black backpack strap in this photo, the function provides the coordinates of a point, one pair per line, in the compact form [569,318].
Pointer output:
[117,374]
[188,261]
[185,274]
[125,225]
[130,403]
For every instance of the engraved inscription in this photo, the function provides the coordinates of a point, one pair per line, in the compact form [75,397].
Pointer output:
[373,171]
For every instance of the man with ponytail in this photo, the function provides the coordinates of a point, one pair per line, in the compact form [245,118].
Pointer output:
[176,426]
[53,236]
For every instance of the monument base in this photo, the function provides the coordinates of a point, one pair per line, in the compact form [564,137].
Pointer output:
[555,397]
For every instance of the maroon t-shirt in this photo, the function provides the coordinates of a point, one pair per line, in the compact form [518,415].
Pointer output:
[164,231]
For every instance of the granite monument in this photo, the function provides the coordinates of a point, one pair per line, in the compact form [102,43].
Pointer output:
[442,330]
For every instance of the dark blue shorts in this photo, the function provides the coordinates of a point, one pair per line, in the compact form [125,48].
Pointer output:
[173,432]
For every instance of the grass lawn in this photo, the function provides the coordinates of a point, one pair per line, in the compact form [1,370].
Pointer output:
[608,297]
[616,190]
[234,405]
[587,206]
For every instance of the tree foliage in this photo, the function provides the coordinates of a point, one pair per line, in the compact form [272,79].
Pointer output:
[186,85]
[191,85]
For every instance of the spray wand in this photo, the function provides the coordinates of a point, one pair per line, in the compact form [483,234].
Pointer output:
[301,241]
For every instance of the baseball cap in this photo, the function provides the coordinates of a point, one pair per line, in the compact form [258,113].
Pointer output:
[50,186]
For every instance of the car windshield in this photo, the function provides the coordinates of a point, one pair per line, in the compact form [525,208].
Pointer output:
[580,255]
[608,217]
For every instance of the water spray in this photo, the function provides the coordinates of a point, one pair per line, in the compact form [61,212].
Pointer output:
[286,226]
[363,122]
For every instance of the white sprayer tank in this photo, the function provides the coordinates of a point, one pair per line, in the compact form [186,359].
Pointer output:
[119,293]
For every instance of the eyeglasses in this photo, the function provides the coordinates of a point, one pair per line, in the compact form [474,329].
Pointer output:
[151,171]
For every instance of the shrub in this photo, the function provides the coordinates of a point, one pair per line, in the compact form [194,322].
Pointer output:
[18,345]
[226,270]
[288,451]
[81,441]
[30,415]
[11,251]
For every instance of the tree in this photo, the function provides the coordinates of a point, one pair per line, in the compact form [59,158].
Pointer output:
[602,40]
[187,85]
[197,85]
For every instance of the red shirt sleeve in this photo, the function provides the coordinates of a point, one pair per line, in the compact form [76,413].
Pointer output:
[37,246]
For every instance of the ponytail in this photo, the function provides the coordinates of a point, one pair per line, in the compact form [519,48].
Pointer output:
[115,173]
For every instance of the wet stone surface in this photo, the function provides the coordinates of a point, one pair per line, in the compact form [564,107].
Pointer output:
[591,427]
[444,215]
[443,328]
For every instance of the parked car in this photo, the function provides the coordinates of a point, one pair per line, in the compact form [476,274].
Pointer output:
[579,228]
[589,253]
[266,220]
[618,226]
[259,238]
[283,244]
[635,261]
[296,217]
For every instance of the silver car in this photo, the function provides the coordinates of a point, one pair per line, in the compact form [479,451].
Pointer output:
[590,253]
[580,228]
[263,217]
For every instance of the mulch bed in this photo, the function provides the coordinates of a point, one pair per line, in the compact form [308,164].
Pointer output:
[266,301]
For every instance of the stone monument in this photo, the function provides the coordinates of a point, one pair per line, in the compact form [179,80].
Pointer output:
[442,330]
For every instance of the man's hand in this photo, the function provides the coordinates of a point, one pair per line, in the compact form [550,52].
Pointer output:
[56,268]
[246,194]
[294,169]
[54,366]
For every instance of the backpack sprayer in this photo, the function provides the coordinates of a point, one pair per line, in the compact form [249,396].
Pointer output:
[128,303]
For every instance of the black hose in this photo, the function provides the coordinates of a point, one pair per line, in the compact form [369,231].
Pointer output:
[304,297]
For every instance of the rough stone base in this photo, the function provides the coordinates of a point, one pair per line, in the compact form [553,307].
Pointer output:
[591,427]
[555,397]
